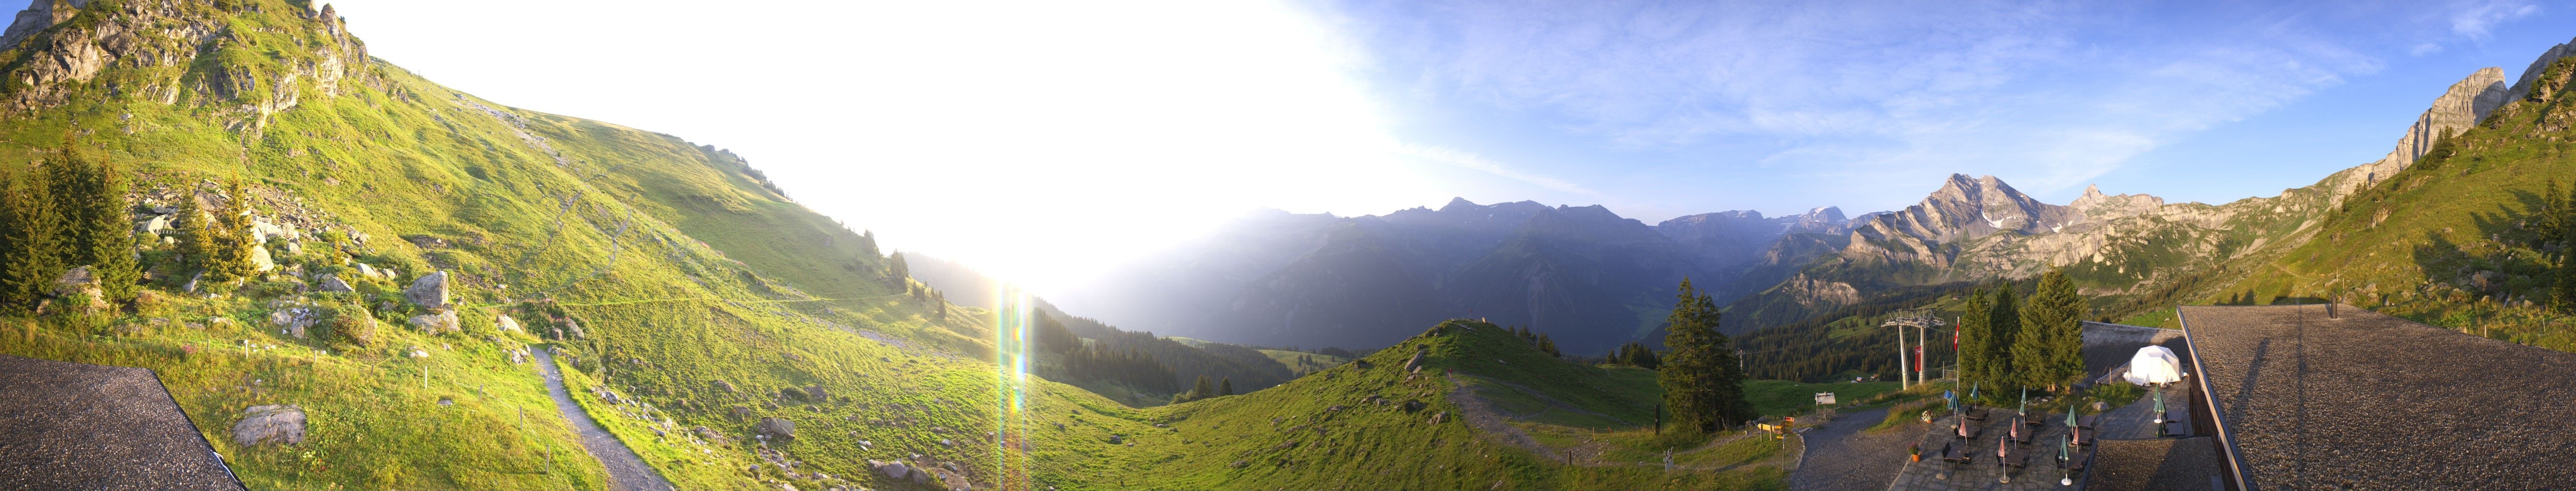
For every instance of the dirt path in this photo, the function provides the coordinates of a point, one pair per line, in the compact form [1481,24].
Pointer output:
[1840,455]
[626,471]
[1482,415]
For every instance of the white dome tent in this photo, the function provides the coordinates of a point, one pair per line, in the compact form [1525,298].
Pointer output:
[2154,365]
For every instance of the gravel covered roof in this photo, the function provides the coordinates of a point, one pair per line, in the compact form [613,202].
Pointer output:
[2154,464]
[2108,347]
[2369,401]
[78,426]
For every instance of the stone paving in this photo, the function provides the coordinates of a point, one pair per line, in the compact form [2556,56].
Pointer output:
[2133,421]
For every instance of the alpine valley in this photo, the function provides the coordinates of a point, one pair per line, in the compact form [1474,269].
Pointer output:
[450,293]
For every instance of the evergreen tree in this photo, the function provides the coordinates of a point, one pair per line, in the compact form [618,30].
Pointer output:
[2048,352]
[102,238]
[2003,324]
[1702,384]
[36,246]
[229,239]
[1549,346]
[2560,215]
[896,271]
[868,243]
[1976,333]
[1225,386]
[195,238]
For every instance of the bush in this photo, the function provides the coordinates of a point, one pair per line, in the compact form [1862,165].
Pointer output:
[353,327]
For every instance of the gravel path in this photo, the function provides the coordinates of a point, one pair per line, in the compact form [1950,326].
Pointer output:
[1841,456]
[626,472]
[79,426]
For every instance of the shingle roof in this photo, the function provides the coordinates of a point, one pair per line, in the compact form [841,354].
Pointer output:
[78,426]
[2369,401]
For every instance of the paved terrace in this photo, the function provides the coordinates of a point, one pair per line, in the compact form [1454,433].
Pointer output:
[2369,401]
[77,426]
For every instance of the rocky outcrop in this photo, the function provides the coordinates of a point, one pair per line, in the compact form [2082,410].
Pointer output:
[506,324]
[2098,207]
[282,424]
[2454,111]
[294,320]
[439,323]
[2521,89]
[39,15]
[333,283]
[79,284]
[428,291]
[776,429]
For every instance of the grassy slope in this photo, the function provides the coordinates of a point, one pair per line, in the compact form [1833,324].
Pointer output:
[2411,245]
[685,272]
[1291,437]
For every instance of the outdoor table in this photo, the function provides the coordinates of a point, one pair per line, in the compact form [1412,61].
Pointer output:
[2022,437]
[2176,428]
[2075,462]
[1968,430]
[2035,419]
[1956,455]
[1974,414]
[2014,459]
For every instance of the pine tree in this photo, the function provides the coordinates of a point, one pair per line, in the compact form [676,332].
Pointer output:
[196,236]
[228,238]
[36,247]
[1702,384]
[896,270]
[103,240]
[1225,386]
[1976,334]
[2048,352]
[2561,217]
[2003,320]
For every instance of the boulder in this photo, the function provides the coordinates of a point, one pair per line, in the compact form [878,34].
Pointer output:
[573,329]
[418,352]
[776,428]
[79,282]
[518,357]
[155,226]
[191,287]
[333,283]
[283,424]
[895,470]
[442,322]
[260,260]
[429,291]
[368,271]
[1415,364]
[1436,418]
[262,230]
[817,394]
[506,324]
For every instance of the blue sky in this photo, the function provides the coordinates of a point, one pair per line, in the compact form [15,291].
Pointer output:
[1050,142]
[1659,109]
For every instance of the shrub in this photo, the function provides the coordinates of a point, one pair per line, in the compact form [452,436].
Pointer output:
[353,327]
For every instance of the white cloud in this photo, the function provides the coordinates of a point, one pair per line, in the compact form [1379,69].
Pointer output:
[1464,160]
[2473,21]
[2425,49]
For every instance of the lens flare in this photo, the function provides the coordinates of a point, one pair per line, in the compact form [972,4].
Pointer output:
[1011,318]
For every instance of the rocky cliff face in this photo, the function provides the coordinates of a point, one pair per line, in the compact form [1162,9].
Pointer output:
[165,49]
[2522,86]
[1730,240]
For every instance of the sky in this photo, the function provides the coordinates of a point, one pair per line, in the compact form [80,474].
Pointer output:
[1047,142]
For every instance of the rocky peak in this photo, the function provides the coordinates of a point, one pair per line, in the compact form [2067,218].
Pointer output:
[39,15]
[1821,220]
[2522,87]
[2454,111]
[2096,207]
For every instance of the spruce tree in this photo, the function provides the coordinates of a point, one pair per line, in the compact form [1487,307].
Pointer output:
[1702,384]
[2048,351]
[228,238]
[196,236]
[896,270]
[2561,215]
[1976,337]
[2003,324]
[103,239]
[1225,387]
[36,244]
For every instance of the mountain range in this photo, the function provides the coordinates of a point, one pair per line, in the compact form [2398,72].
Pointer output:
[1592,279]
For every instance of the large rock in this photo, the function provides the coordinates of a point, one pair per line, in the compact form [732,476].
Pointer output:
[79,282]
[155,226]
[895,470]
[506,324]
[260,260]
[262,230]
[777,429]
[283,424]
[430,290]
[1415,364]
[333,283]
[369,271]
[439,323]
